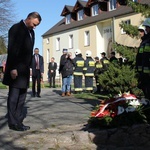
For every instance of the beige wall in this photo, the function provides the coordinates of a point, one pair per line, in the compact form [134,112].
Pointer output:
[101,38]
[124,39]
[81,39]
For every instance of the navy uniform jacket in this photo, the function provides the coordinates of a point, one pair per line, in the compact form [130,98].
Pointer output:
[20,50]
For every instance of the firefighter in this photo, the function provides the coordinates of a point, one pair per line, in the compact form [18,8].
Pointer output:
[144,67]
[104,60]
[89,72]
[97,72]
[78,71]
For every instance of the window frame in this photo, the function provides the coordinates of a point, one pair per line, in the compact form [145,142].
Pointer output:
[112,5]
[95,9]
[87,38]
[71,41]
[68,19]
[80,14]
[58,44]
[128,21]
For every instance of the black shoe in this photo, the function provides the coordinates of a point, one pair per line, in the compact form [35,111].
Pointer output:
[18,127]
[38,96]
[26,127]
[54,86]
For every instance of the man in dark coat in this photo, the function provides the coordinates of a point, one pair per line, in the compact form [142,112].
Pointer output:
[17,73]
[37,68]
[52,72]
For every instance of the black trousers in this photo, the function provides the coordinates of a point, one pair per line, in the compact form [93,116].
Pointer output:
[36,83]
[15,105]
[52,79]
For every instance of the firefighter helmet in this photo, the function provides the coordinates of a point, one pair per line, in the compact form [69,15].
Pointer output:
[146,22]
[141,27]
[88,53]
[77,52]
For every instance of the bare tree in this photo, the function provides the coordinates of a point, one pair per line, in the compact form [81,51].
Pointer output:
[7,16]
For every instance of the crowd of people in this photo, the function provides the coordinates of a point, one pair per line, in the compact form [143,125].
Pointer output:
[22,63]
[79,68]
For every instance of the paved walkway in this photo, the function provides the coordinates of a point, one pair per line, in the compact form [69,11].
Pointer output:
[52,119]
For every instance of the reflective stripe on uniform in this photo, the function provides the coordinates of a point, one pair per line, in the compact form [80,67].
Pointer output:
[99,66]
[89,74]
[147,48]
[146,70]
[141,50]
[78,89]
[80,63]
[139,68]
[91,63]
[106,61]
[89,88]
[78,73]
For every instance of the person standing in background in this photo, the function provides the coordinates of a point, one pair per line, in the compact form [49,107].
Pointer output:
[66,70]
[89,72]
[17,72]
[78,71]
[143,61]
[52,72]
[37,71]
[98,70]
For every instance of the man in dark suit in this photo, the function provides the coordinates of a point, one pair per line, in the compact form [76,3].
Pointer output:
[37,70]
[52,72]
[17,72]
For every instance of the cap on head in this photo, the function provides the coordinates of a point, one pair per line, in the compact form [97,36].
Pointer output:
[113,53]
[103,53]
[146,22]
[88,53]
[96,58]
[77,52]
[65,50]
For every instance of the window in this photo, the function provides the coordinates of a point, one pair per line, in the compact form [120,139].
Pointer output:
[68,19]
[48,55]
[95,10]
[47,40]
[126,22]
[135,0]
[112,5]
[71,41]
[87,38]
[80,14]
[57,44]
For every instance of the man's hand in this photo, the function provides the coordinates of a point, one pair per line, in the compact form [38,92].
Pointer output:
[14,73]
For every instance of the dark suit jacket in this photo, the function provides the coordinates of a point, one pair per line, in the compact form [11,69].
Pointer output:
[41,65]
[20,50]
[52,67]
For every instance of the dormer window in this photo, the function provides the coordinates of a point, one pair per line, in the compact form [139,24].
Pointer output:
[112,5]
[68,19]
[80,14]
[95,10]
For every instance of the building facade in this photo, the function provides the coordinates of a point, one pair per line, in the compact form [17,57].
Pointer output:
[90,25]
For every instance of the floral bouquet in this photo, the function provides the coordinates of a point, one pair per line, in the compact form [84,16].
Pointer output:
[123,109]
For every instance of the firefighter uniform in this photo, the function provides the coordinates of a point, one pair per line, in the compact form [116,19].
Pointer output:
[104,60]
[98,70]
[89,72]
[78,71]
[143,61]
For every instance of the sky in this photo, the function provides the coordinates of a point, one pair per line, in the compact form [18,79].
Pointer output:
[50,11]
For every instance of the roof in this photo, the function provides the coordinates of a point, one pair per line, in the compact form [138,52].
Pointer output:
[61,26]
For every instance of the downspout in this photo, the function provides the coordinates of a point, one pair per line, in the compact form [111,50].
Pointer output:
[113,30]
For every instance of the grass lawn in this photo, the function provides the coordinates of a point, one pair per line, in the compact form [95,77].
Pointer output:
[2,86]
